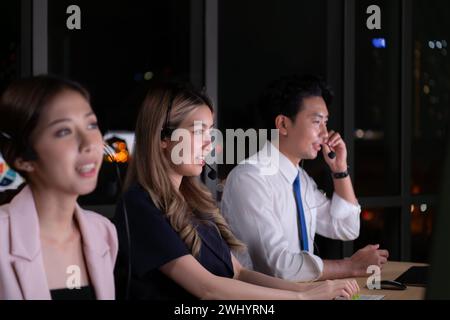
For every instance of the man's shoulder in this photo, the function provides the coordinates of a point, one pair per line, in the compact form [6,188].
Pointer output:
[245,171]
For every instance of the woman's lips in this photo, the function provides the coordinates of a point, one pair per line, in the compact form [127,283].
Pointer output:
[200,160]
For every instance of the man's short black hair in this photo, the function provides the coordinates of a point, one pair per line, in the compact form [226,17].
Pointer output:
[285,97]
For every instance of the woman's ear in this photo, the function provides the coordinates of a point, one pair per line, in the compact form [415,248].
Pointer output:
[23,165]
[280,124]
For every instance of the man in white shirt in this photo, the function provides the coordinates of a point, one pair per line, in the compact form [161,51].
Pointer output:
[277,213]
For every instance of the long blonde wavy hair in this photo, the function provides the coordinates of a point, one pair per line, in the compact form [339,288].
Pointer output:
[149,167]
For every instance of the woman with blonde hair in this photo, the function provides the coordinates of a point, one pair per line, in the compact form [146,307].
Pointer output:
[173,241]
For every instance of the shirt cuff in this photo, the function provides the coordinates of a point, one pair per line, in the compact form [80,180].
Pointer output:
[341,208]
[311,269]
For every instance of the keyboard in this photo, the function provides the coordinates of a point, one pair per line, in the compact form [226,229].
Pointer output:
[364,297]
[368,297]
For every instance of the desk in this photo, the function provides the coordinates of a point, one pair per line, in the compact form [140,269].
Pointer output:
[391,270]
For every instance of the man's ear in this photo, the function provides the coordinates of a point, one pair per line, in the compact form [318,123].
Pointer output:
[280,124]
[23,165]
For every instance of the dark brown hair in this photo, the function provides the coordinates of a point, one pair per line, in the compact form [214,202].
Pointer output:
[21,105]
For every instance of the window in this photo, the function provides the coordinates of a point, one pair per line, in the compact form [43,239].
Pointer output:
[123,44]
[377,102]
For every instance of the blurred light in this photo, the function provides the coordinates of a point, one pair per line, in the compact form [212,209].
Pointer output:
[431,44]
[124,136]
[379,43]
[120,152]
[415,189]
[9,179]
[359,133]
[148,75]
[423,207]
[367,215]
[426,89]
[438,44]
[369,134]
[444,43]
[412,208]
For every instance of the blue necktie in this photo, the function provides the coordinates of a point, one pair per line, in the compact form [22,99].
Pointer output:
[301,215]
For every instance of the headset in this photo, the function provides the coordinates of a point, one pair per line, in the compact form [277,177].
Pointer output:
[109,152]
[28,155]
[166,132]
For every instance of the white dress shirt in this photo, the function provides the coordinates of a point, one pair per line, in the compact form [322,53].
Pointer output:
[259,204]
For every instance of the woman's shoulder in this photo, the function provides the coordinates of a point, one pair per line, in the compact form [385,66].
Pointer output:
[4,214]
[98,224]
[95,218]
[99,231]
[4,211]
[136,197]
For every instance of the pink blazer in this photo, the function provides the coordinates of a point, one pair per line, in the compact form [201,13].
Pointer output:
[22,274]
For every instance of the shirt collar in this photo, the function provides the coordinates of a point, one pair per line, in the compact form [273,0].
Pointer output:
[287,168]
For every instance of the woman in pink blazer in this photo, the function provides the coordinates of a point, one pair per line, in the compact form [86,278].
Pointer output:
[50,248]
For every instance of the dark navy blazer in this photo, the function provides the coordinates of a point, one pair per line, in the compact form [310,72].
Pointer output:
[154,243]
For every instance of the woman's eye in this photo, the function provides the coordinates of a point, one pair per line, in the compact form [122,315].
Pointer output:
[63,132]
[93,125]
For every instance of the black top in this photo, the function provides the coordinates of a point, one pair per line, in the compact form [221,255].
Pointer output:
[84,293]
[154,243]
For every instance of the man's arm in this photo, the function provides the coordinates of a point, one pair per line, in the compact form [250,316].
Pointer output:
[247,204]
[343,187]
[356,265]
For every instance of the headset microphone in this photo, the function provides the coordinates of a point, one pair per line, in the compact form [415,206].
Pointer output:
[28,154]
[110,152]
[212,174]
[5,135]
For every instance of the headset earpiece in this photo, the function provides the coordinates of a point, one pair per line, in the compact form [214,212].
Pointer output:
[28,155]
[5,135]
[166,133]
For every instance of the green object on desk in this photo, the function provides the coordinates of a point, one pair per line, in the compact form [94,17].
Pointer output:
[355,297]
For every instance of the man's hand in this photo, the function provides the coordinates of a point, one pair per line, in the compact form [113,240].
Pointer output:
[367,256]
[335,143]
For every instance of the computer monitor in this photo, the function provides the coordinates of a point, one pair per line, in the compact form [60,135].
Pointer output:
[439,274]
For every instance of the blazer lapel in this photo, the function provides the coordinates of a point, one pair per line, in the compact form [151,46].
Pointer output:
[32,279]
[97,257]
[97,265]
[26,247]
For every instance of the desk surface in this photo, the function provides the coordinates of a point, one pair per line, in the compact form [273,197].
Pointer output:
[391,270]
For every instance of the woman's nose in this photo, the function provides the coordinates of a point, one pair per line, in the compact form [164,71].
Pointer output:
[207,145]
[207,137]
[88,142]
[207,141]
